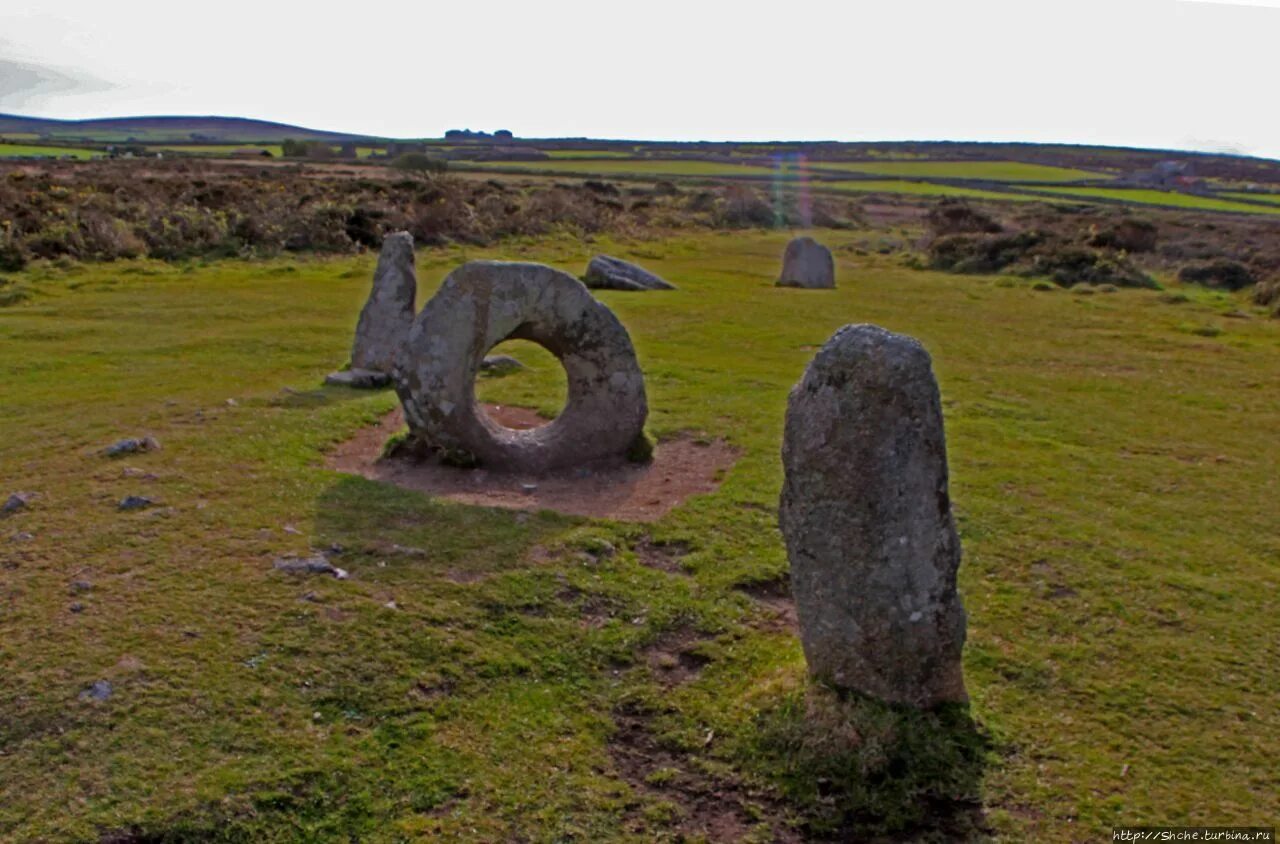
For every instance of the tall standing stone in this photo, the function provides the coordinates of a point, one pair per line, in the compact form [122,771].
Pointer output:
[807,263]
[384,322]
[867,521]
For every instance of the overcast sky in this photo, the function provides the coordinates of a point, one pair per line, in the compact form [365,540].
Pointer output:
[1182,74]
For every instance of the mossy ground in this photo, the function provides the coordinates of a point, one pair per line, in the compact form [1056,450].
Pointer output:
[1115,477]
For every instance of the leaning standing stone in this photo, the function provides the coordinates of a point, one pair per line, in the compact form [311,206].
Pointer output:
[867,521]
[607,272]
[807,263]
[385,320]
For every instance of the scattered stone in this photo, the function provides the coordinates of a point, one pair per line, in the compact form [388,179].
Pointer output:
[232,403]
[391,605]
[15,502]
[360,379]
[22,536]
[291,529]
[483,303]
[386,317]
[529,489]
[76,607]
[132,445]
[867,520]
[500,364]
[99,691]
[79,586]
[807,263]
[407,551]
[135,502]
[609,273]
[316,564]
[134,472]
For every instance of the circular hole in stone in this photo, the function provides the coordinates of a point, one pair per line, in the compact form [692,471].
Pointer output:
[522,398]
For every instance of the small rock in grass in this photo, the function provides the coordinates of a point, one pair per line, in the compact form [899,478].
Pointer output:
[76,607]
[132,445]
[500,364]
[22,536]
[100,690]
[15,502]
[135,502]
[317,564]
[360,379]
[529,489]
[78,586]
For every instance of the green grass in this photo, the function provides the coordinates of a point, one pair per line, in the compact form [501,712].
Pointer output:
[218,149]
[1256,197]
[917,189]
[589,153]
[995,171]
[633,167]
[1113,474]
[29,150]
[1156,197]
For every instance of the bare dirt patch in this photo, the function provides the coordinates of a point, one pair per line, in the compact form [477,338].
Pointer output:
[708,808]
[634,492]
[774,596]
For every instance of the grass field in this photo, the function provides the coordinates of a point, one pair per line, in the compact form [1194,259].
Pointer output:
[588,153]
[636,167]
[1256,197]
[994,171]
[218,149]
[917,189]
[44,151]
[1157,197]
[1114,473]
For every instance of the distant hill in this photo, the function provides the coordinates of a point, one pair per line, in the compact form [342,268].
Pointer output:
[167,130]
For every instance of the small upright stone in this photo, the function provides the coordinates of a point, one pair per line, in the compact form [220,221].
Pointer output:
[609,273]
[867,521]
[807,263]
[384,322]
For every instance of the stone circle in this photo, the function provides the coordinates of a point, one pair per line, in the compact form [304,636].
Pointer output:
[807,263]
[866,516]
[483,303]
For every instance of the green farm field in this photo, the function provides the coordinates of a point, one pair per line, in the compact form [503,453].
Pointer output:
[918,189]
[45,151]
[1157,197]
[993,171]
[639,168]
[479,676]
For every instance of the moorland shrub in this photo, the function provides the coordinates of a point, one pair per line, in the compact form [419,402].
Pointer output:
[1127,235]
[955,216]
[1223,273]
[1267,294]
[1034,253]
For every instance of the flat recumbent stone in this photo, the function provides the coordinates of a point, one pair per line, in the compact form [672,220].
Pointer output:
[483,303]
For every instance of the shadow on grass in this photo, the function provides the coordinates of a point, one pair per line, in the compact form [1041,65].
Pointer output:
[367,517]
[858,769]
[324,396]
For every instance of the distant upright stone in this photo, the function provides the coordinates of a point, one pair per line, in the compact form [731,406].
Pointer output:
[807,263]
[385,320]
[867,521]
[607,272]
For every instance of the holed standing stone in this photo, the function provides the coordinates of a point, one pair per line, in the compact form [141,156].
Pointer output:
[867,521]
[807,263]
[384,322]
